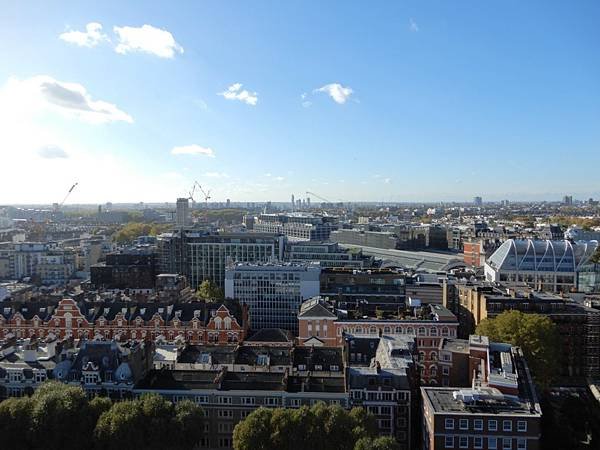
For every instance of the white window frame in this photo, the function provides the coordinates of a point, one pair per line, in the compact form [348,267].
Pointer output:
[449,442]
[449,424]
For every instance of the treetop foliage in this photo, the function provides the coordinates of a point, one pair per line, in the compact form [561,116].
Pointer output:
[537,336]
[319,426]
[61,416]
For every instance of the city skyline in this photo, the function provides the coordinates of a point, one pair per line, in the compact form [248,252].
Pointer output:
[406,102]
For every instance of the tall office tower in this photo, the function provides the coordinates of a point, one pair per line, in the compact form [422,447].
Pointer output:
[478,201]
[568,200]
[293,202]
[183,212]
[308,202]
[273,292]
[201,255]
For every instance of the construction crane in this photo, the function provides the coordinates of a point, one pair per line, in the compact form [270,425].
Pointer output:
[191,197]
[319,197]
[205,193]
[67,196]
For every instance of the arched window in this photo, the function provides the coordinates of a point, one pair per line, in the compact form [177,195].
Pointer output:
[410,330]
[218,322]
[433,331]
[373,330]
[387,330]
[398,330]
[422,331]
[445,331]
[433,356]
[421,356]
[227,323]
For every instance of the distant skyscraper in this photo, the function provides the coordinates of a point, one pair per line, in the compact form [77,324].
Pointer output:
[478,201]
[293,202]
[183,212]
[568,200]
[228,203]
[308,202]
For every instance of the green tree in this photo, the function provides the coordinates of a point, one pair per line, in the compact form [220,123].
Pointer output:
[380,443]
[304,428]
[150,422]
[57,410]
[537,336]
[209,291]
[15,423]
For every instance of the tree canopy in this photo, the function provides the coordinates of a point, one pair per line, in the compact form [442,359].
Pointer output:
[209,291]
[537,336]
[61,416]
[319,426]
[132,230]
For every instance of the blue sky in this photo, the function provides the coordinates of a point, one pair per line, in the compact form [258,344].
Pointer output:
[393,101]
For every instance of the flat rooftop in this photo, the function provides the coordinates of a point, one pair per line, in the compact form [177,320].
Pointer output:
[443,401]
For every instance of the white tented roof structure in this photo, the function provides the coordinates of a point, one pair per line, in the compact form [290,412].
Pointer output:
[529,255]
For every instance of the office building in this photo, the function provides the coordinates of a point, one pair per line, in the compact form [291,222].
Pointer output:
[477,201]
[133,271]
[546,265]
[327,254]
[203,255]
[182,217]
[297,226]
[273,292]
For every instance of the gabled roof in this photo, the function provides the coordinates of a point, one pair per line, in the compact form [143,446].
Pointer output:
[316,310]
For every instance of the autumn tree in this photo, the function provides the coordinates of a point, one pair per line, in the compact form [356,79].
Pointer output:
[537,336]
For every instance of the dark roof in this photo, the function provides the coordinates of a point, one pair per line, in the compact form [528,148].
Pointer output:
[271,335]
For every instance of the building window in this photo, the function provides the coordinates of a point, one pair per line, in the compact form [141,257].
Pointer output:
[506,444]
[464,424]
[521,444]
[446,370]
[492,425]
[463,441]
[295,402]
[449,442]
[522,426]
[248,400]
[477,442]
[492,443]
[478,424]
[271,401]
[507,425]
[449,424]
[421,331]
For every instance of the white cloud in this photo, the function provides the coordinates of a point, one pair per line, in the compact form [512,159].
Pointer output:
[235,92]
[216,175]
[146,39]
[268,175]
[279,178]
[387,180]
[52,152]
[413,26]
[43,93]
[193,149]
[337,92]
[91,37]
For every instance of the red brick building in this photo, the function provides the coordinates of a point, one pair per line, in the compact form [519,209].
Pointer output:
[195,322]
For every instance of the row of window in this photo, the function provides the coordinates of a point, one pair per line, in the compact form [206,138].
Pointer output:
[492,425]
[421,331]
[476,442]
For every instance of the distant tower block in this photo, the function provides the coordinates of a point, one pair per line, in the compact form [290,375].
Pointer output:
[183,212]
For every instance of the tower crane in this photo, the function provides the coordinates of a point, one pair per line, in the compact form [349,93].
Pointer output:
[191,197]
[67,196]
[206,194]
[319,197]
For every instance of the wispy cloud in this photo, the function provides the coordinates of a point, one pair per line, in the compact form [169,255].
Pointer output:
[216,175]
[91,37]
[235,92]
[43,93]
[387,180]
[337,92]
[193,149]
[52,152]
[413,26]
[279,178]
[146,39]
